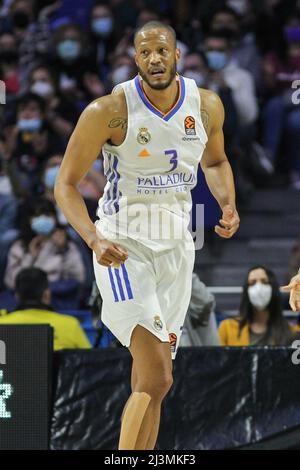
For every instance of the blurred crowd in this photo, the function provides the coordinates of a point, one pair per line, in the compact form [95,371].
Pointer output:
[58,56]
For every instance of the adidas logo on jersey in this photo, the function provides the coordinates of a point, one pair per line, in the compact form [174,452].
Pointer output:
[144,153]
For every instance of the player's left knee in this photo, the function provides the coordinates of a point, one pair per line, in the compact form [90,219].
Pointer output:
[157,386]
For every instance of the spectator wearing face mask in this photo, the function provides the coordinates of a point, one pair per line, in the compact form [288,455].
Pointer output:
[103,35]
[23,26]
[48,179]
[74,65]
[261,321]
[234,84]
[123,69]
[29,142]
[91,186]
[61,113]
[281,116]
[218,51]
[196,67]
[244,50]
[21,17]
[30,26]
[44,244]
[9,65]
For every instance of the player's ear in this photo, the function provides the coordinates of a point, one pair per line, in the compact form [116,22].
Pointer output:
[177,54]
[135,60]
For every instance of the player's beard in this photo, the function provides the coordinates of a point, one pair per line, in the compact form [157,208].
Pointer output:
[160,86]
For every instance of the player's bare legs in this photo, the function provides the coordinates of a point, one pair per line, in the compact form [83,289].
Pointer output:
[133,384]
[152,372]
[156,419]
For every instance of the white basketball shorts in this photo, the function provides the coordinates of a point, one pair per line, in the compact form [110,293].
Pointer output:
[150,289]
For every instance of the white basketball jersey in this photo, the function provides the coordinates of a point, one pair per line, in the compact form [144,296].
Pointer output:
[151,174]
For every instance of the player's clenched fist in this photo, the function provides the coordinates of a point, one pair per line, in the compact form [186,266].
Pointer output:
[229,223]
[108,253]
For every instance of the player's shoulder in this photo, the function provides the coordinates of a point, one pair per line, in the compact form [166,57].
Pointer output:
[107,105]
[212,109]
[210,99]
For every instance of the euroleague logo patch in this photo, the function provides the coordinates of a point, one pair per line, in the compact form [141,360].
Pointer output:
[190,125]
[173,341]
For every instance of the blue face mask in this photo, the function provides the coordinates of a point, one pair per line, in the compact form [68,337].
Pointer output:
[29,125]
[50,176]
[43,224]
[102,26]
[216,60]
[69,49]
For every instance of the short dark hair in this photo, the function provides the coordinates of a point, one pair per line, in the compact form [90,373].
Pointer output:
[228,11]
[223,34]
[43,65]
[30,285]
[29,97]
[41,206]
[153,25]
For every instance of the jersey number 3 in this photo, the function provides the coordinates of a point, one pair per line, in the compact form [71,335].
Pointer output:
[174,158]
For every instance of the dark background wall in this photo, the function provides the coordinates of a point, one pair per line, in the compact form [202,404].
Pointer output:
[222,398]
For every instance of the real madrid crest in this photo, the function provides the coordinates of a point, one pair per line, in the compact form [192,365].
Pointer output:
[158,325]
[143,136]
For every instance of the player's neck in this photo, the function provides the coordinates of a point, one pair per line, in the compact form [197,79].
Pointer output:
[162,99]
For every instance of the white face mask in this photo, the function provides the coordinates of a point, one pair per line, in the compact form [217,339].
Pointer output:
[197,76]
[42,88]
[260,295]
[239,6]
[121,74]
[5,185]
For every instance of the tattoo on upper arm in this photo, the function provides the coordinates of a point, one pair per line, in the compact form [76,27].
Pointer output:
[205,119]
[118,122]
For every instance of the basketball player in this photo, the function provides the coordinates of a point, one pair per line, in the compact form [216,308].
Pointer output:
[294,288]
[153,130]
